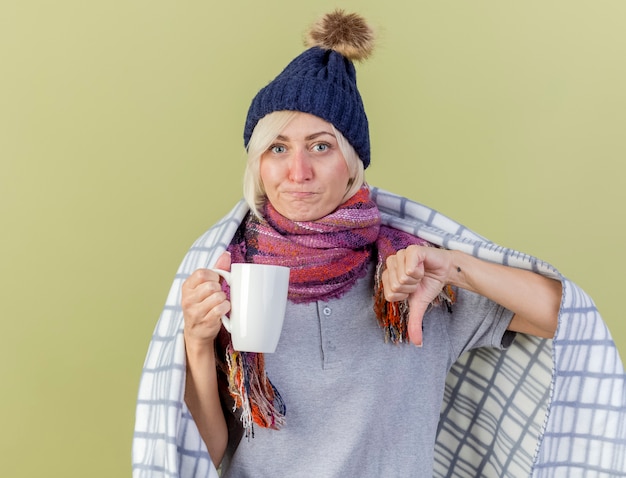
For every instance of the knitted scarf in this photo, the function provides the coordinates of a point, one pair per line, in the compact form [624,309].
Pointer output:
[326,258]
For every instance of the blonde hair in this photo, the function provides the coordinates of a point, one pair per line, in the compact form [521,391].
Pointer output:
[264,134]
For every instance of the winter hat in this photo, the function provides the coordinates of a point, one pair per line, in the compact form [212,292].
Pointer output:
[322,81]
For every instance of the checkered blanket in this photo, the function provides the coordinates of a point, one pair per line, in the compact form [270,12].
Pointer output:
[542,408]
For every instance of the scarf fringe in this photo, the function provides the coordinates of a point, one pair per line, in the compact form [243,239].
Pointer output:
[254,394]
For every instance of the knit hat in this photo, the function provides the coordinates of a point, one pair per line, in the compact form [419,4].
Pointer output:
[322,81]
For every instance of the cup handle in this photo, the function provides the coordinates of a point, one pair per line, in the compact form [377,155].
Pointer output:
[226,276]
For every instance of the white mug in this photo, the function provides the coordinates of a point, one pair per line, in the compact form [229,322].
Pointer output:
[258,298]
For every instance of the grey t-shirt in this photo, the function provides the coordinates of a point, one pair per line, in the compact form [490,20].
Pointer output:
[357,406]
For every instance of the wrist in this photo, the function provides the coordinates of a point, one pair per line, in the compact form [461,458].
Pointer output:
[459,268]
[199,350]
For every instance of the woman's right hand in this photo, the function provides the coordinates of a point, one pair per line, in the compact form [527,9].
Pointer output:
[203,303]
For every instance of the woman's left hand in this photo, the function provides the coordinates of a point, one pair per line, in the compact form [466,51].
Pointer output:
[418,273]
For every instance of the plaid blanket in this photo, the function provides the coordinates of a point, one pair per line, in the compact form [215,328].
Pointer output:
[542,408]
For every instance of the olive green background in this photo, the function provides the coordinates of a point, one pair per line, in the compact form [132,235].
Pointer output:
[120,143]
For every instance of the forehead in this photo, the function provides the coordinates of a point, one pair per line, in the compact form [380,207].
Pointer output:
[304,124]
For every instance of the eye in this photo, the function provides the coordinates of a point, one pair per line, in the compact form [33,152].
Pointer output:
[277,148]
[321,147]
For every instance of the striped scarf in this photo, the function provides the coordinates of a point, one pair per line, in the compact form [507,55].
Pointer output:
[326,258]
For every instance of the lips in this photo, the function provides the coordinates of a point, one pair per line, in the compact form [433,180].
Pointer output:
[300,194]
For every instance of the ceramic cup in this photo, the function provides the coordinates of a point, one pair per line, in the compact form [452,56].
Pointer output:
[258,297]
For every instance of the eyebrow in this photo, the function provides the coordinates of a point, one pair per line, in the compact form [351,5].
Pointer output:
[308,138]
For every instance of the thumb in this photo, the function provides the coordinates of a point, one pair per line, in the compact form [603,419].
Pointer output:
[223,261]
[417,309]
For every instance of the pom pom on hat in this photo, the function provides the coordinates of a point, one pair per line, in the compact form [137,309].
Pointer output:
[346,33]
[322,80]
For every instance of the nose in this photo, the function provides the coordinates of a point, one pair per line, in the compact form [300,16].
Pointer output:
[300,169]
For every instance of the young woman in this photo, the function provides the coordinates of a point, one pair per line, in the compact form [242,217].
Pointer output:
[382,305]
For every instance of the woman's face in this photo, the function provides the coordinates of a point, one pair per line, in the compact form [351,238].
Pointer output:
[304,173]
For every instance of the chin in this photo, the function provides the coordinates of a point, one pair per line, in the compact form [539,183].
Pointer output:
[302,216]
